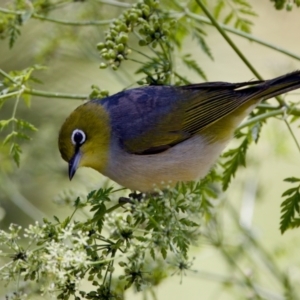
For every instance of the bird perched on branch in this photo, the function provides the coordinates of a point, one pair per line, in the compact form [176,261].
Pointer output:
[153,136]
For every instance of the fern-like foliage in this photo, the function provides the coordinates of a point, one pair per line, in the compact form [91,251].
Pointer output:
[15,129]
[236,12]
[199,34]
[236,157]
[144,233]
[288,5]
[290,207]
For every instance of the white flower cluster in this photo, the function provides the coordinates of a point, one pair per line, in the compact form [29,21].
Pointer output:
[58,262]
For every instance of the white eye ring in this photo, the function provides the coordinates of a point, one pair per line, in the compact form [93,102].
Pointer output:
[78,137]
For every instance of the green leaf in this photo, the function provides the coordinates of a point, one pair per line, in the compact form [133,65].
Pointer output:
[23,136]
[152,253]
[189,62]
[22,124]
[228,18]
[198,33]
[56,219]
[236,157]
[9,137]
[13,31]
[15,151]
[218,8]
[163,252]
[289,192]
[65,222]
[295,223]
[292,179]
[4,123]
[243,3]
[247,12]
[77,202]
[188,222]
[290,207]
[27,99]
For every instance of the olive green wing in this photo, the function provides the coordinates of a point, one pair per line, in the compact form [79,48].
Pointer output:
[211,102]
[152,119]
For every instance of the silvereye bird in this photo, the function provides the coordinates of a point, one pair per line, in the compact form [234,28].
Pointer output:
[153,136]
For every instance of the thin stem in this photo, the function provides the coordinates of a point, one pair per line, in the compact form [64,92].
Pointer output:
[118,190]
[182,78]
[59,5]
[228,40]
[266,257]
[72,215]
[15,108]
[9,95]
[35,92]
[230,280]
[12,192]
[233,46]
[6,265]
[149,47]
[141,53]
[101,261]
[248,36]
[10,12]
[114,208]
[233,262]
[267,106]
[115,3]
[262,117]
[72,23]
[58,21]
[292,134]
[111,267]
[135,60]
[4,74]
[54,95]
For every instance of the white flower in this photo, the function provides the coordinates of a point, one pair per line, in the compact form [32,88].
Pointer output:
[34,231]
[66,232]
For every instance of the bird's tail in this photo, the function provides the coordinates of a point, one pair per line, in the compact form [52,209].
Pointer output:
[277,86]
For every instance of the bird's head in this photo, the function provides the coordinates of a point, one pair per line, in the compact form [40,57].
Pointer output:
[84,138]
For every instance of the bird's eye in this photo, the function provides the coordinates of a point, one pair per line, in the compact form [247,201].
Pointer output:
[78,137]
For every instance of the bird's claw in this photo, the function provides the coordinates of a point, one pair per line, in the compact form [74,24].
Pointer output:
[131,197]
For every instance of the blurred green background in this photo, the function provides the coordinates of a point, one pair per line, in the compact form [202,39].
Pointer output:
[27,193]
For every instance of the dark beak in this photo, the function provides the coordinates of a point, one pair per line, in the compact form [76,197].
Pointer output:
[73,163]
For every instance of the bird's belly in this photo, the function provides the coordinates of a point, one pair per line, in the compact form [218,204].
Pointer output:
[187,161]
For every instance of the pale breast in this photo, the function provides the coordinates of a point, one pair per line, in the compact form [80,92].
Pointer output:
[187,161]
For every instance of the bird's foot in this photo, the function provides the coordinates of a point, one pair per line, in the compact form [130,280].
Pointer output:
[131,197]
[137,196]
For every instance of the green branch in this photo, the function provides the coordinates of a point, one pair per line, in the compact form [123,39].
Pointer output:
[35,92]
[228,40]
[274,112]
[72,23]
[9,95]
[58,21]
[248,36]
[292,134]
[4,74]
[262,117]
[115,3]
[233,46]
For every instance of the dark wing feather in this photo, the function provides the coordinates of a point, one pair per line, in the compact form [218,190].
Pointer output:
[148,119]
[152,119]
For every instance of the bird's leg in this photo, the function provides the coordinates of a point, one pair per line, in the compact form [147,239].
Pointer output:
[132,196]
[125,200]
[137,196]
